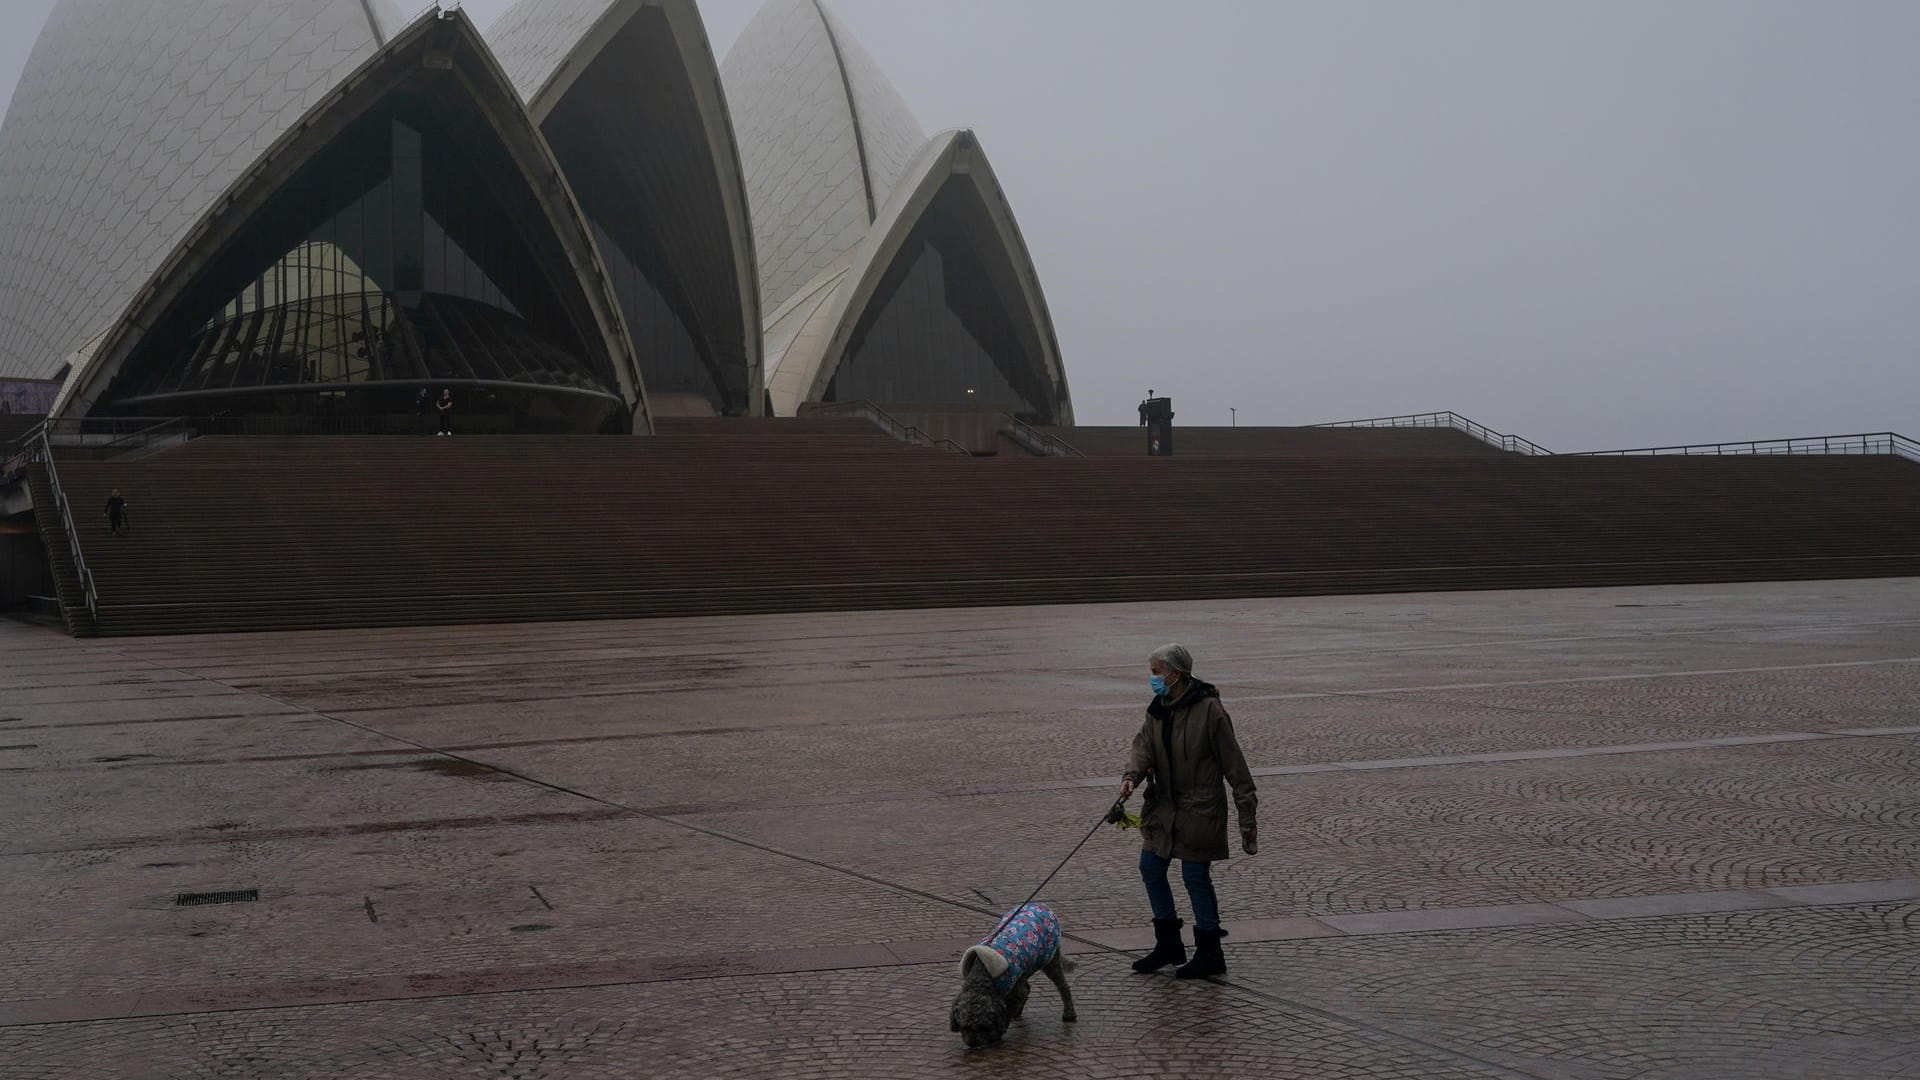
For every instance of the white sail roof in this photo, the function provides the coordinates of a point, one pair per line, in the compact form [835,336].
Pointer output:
[130,118]
[823,135]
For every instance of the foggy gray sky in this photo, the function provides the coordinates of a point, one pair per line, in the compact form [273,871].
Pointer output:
[1607,224]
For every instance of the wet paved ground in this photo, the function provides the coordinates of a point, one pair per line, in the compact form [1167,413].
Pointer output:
[1647,833]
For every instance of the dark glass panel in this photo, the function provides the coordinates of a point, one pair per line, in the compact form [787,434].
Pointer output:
[671,362]
[433,260]
[451,272]
[645,178]
[948,324]
[409,169]
[375,255]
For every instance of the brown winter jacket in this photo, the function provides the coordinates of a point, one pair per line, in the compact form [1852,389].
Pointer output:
[1185,813]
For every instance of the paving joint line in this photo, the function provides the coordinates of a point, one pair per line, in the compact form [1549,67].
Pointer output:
[1571,680]
[1446,698]
[909,954]
[677,811]
[592,639]
[1313,654]
[1358,765]
[1288,695]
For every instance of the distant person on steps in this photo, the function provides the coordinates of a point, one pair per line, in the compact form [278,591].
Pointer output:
[445,405]
[117,512]
[420,402]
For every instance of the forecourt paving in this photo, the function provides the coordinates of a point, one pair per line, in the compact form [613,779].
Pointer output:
[1636,833]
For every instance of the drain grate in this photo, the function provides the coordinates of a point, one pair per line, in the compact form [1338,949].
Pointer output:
[202,899]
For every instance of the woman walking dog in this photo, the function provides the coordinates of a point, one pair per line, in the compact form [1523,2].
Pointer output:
[1185,752]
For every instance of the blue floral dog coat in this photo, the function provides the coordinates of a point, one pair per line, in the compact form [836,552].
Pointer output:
[1023,944]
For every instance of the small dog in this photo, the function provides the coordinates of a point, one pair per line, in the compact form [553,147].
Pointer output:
[994,975]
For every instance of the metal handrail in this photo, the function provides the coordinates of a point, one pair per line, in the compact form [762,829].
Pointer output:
[147,436]
[1878,442]
[110,429]
[885,421]
[23,446]
[113,435]
[1039,442]
[65,507]
[20,452]
[921,438]
[1513,444]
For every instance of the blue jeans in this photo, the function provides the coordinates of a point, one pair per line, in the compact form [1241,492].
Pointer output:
[1198,878]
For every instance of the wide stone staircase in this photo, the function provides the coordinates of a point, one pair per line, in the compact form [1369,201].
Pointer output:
[291,533]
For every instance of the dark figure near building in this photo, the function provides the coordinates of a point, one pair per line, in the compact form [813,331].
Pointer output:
[116,512]
[1159,416]
[420,402]
[445,405]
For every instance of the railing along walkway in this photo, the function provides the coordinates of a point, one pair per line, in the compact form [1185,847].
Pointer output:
[1037,442]
[1513,444]
[885,421]
[1880,442]
[44,454]
[105,438]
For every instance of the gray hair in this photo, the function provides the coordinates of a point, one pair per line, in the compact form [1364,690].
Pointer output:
[1174,656]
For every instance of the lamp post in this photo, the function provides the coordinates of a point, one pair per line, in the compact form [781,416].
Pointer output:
[1235,418]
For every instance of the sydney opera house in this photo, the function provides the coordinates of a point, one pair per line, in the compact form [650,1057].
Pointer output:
[577,220]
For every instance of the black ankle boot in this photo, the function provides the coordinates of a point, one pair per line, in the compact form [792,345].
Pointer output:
[1208,960]
[1167,948]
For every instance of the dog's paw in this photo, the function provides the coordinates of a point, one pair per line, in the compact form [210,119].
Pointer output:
[1069,1016]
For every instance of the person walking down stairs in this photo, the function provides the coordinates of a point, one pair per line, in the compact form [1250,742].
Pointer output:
[116,512]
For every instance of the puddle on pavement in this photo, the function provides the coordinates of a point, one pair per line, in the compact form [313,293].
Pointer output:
[455,767]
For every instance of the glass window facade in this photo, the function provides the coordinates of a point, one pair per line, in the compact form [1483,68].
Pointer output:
[948,324]
[631,139]
[671,361]
[388,262]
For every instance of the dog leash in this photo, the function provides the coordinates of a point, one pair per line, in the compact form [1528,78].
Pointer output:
[1114,813]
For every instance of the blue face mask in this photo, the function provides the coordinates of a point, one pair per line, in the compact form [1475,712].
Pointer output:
[1159,685]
